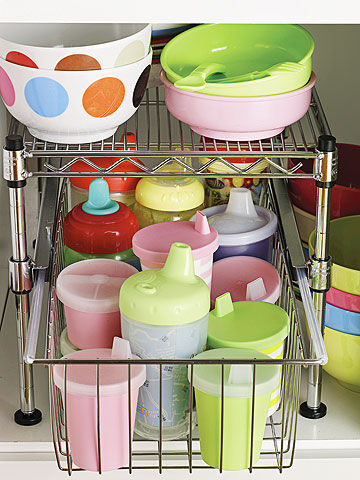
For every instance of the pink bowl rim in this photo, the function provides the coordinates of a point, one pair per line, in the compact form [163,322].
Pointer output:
[214,98]
[338,298]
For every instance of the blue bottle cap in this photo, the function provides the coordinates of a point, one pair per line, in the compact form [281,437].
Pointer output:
[99,202]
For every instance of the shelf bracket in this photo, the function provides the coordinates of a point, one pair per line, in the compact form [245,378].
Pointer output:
[320,262]
[20,271]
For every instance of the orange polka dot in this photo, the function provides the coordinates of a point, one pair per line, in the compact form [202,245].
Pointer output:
[78,62]
[103,97]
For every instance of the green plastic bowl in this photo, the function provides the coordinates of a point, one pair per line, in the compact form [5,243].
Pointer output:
[343,350]
[242,49]
[344,248]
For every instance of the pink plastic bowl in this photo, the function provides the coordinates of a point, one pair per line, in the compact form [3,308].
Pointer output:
[344,300]
[237,118]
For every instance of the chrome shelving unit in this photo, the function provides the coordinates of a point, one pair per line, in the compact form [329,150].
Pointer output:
[159,140]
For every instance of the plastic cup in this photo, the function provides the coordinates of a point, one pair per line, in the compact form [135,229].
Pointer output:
[244,229]
[238,384]
[89,291]
[260,326]
[164,314]
[152,244]
[81,407]
[246,278]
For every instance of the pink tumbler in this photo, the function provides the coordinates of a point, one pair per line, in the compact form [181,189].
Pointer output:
[89,290]
[81,406]
[246,278]
[152,244]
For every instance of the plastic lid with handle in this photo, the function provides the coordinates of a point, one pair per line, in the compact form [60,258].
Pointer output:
[172,295]
[100,225]
[246,278]
[116,184]
[93,285]
[240,222]
[113,378]
[154,242]
[238,379]
[247,324]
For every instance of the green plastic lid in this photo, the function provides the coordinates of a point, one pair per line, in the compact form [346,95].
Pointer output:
[255,325]
[172,295]
[99,202]
[238,379]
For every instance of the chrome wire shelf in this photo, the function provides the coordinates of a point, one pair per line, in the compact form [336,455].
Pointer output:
[280,432]
[161,139]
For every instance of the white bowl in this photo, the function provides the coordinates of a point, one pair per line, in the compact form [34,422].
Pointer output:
[73,107]
[74,46]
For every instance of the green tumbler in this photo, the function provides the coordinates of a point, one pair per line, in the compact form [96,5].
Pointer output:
[238,387]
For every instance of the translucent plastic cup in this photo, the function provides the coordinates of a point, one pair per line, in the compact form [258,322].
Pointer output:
[81,409]
[89,291]
[238,381]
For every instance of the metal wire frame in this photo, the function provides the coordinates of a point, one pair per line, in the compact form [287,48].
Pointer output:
[161,139]
[280,432]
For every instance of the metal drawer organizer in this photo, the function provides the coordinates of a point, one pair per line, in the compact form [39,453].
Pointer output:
[160,139]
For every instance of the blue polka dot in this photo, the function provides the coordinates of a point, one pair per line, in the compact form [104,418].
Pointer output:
[46,97]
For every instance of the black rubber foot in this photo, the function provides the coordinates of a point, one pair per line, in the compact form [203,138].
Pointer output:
[28,419]
[313,413]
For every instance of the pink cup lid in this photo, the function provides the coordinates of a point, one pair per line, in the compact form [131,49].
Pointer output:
[113,379]
[152,243]
[93,285]
[246,278]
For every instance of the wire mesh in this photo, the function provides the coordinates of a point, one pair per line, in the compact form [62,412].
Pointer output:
[160,139]
[280,432]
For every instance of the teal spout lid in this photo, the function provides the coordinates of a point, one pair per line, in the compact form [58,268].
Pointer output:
[172,295]
[246,324]
[99,202]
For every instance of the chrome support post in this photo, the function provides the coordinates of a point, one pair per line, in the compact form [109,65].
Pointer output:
[320,263]
[20,271]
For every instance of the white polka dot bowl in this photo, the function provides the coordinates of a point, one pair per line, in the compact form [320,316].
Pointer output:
[73,107]
[74,46]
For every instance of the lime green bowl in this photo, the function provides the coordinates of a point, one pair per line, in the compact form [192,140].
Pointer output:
[343,351]
[344,248]
[241,49]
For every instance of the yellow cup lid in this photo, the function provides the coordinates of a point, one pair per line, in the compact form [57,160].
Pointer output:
[170,194]
[219,167]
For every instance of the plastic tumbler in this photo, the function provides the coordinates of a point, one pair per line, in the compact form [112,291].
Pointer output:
[89,291]
[152,244]
[167,199]
[238,387]
[164,314]
[243,228]
[246,278]
[99,228]
[255,325]
[81,406]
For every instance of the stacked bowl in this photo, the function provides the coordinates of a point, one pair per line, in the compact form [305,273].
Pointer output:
[238,82]
[342,316]
[74,83]
[162,33]
[345,195]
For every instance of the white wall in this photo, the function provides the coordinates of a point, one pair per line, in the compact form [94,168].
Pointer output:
[336,62]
